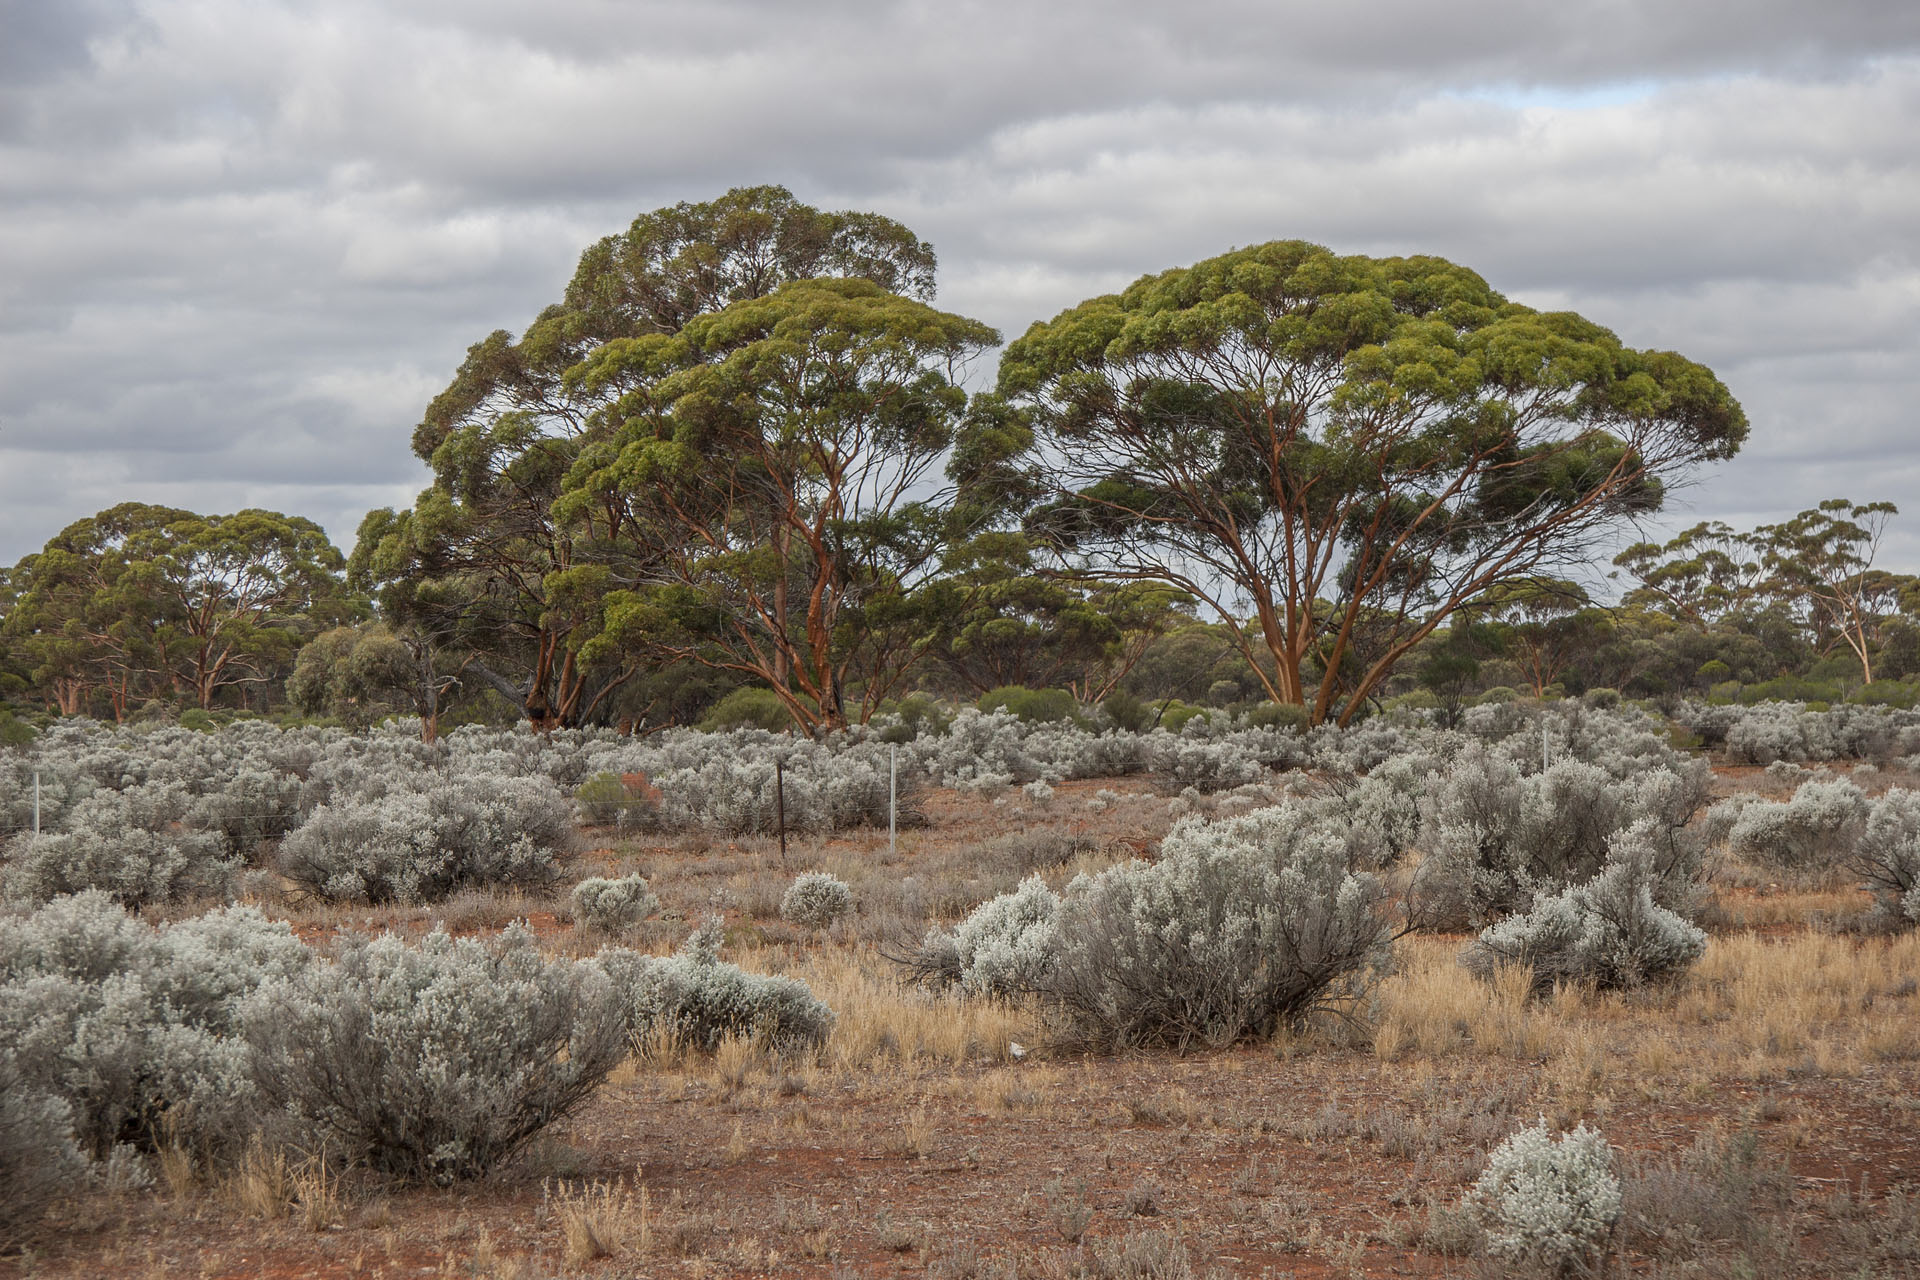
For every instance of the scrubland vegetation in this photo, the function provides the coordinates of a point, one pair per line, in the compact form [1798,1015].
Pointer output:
[1545,993]
[769,809]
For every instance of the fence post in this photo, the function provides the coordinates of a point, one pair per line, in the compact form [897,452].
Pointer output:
[780,806]
[893,800]
[36,802]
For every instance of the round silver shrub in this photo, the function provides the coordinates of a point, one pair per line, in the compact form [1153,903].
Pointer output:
[1006,946]
[1545,1203]
[421,847]
[696,999]
[39,1162]
[1496,837]
[110,845]
[1888,855]
[136,1028]
[1243,926]
[815,900]
[1608,931]
[435,1062]
[609,906]
[1817,830]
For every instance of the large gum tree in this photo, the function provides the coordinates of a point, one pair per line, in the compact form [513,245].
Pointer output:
[783,454]
[1336,453]
[481,555]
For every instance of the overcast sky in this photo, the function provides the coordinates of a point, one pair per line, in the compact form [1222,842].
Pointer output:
[243,242]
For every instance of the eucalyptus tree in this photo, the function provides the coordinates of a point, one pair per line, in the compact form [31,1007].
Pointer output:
[782,453]
[1703,576]
[502,438]
[140,600]
[1545,625]
[1822,559]
[995,618]
[1337,453]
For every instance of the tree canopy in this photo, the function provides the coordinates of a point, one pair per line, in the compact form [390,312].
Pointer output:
[779,450]
[142,599]
[1336,453]
[484,543]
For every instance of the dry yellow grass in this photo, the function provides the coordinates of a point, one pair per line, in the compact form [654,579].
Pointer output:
[600,1220]
[1431,1007]
[881,1020]
[1753,1007]
[261,1186]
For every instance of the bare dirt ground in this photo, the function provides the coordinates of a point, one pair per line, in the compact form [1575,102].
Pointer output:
[1767,1108]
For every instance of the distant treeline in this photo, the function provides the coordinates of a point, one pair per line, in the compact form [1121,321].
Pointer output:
[732,475]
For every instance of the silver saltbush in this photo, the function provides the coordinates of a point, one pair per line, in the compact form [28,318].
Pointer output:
[435,1062]
[1495,837]
[133,1026]
[1380,811]
[815,900]
[1608,931]
[1546,1203]
[611,905]
[1816,830]
[1243,925]
[1007,944]
[697,999]
[1888,855]
[39,1163]
[421,847]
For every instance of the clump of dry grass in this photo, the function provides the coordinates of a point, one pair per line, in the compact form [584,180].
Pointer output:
[261,1185]
[878,1019]
[1432,1007]
[1006,1089]
[1807,1000]
[600,1220]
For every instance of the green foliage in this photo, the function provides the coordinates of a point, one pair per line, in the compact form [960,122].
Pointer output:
[1278,715]
[1176,715]
[14,731]
[1128,712]
[139,600]
[748,707]
[1348,441]
[497,561]
[916,714]
[775,450]
[1032,705]
[601,799]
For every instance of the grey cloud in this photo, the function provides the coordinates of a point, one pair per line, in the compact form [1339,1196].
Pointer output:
[244,243]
